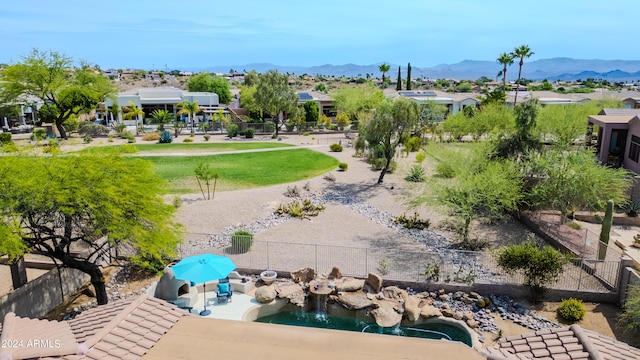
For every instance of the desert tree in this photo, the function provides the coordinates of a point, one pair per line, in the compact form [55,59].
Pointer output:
[208,82]
[50,77]
[358,102]
[204,174]
[521,52]
[391,124]
[72,209]
[311,112]
[275,96]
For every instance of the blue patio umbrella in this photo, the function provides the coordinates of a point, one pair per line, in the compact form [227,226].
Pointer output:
[203,268]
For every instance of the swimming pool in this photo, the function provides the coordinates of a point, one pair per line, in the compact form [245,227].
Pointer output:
[427,330]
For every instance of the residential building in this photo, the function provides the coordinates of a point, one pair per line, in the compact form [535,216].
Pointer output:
[617,142]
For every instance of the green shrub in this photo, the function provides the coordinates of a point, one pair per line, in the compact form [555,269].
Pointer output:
[574,225]
[38,134]
[87,139]
[379,163]
[413,144]
[571,310]
[233,130]
[207,137]
[176,201]
[9,148]
[120,127]
[306,133]
[302,209]
[630,316]
[420,157]
[445,170]
[335,147]
[412,222]
[165,137]
[269,126]
[187,140]
[249,133]
[343,166]
[634,209]
[241,241]
[416,174]
[5,138]
[110,138]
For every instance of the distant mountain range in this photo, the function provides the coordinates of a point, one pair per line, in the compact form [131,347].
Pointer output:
[550,69]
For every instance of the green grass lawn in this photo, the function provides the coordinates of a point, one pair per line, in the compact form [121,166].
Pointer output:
[238,171]
[181,147]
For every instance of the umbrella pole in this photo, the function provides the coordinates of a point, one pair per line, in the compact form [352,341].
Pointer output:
[204,312]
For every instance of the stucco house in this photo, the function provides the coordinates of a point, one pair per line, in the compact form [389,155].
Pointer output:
[454,102]
[617,142]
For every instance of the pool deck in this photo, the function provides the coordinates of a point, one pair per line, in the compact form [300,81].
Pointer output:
[233,310]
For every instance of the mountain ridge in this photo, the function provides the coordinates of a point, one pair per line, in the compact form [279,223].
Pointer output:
[559,68]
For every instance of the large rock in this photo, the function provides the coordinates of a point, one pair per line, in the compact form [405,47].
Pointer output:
[394,292]
[374,281]
[304,275]
[354,300]
[349,284]
[447,312]
[430,311]
[411,308]
[386,315]
[335,273]
[292,292]
[265,294]
[318,287]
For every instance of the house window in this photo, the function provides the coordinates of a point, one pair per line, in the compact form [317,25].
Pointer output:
[634,149]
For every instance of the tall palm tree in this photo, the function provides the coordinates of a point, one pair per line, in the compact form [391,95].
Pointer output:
[134,113]
[384,67]
[190,108]
[520,52]
[506,59]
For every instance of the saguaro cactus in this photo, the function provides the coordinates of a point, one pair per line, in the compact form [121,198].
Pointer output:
[606,231]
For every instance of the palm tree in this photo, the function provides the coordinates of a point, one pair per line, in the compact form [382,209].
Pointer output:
[190,108]
[161,117]
[506,60]
[520,52]
[134,113]
[384,67]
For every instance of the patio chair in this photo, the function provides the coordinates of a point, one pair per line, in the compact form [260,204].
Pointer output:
[224,291]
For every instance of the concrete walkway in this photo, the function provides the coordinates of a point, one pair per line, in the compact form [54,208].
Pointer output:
[233,310]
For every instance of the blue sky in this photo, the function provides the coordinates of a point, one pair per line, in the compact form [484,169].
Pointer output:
[200,33]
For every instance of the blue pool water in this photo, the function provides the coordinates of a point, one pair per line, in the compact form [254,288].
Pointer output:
[324,321]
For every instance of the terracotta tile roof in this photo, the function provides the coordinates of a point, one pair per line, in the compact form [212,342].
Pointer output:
[124,329]
[20,341]
[569,343]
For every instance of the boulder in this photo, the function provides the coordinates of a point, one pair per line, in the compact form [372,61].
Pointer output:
[472,323]
[447,312]
[386,315]
[318,287]
[467,316]
[430,311]
[354,300]
[288,289]
[303,276]
[457,316]
[349,284]
[443,297]
[374,281]
[474,295]
[425,302]
[411,308]
[394,292]
[335,273]
[265,294]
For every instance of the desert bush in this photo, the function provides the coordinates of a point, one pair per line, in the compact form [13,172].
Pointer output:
[329,177]
[571,310]
[120,127]
[233,130]
[412,222]
[5,138]
[306,133]
[416,174]
[38,134]
[269,126]
[151,136]
[165,137]
[445,170]
[413,144]
[91,129]
[292,191]
[9,148]
[379,163]
[241,241]
[187,140]
[634,208]
[176,201]
[129,136]
[207,137]
[420,157]
[302,209]
[249,133]
[110,138]
[335,147]
[87,139]
[574,225]
[343,166]
[630,316]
